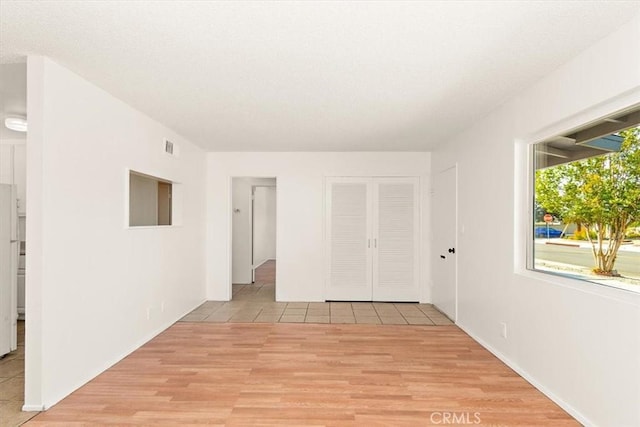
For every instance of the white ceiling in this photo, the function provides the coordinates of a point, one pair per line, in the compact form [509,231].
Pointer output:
[310,76]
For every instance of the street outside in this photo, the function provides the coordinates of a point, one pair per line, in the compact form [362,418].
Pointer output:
[574,258]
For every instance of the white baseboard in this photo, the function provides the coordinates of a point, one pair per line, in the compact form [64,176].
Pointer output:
[262,262]
[32,408]
[530,379]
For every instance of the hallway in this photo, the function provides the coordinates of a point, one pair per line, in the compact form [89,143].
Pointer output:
[264,287]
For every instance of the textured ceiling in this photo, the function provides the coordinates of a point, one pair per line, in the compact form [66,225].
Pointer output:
[309,76]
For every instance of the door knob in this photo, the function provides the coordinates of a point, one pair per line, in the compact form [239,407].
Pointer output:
[452,250]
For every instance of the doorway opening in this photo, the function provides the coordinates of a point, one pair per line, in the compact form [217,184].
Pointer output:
[253,240]
[13,217]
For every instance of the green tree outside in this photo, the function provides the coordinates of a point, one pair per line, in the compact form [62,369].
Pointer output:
[601,193]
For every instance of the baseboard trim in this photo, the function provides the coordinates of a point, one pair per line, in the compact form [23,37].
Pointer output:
[530,379]
[32,408]
[262,262]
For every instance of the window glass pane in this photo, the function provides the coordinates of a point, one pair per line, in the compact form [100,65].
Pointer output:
[586,213]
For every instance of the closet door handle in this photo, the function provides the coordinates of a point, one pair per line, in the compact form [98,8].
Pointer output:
[375,243]
[369,243]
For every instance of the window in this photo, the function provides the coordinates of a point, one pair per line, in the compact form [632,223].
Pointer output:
[150,200]
[586,213]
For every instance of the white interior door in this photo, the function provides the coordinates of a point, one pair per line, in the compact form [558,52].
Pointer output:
[396,245]
[445,214]
[348,226]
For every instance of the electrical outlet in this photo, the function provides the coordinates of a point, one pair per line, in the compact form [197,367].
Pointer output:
[503,331]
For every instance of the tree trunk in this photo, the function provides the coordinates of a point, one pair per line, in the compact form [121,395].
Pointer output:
[605,258]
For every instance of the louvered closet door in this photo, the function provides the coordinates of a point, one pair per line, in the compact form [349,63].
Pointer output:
[396,244]
[348,227]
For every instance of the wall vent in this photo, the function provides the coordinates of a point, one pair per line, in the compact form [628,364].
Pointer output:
[168,147]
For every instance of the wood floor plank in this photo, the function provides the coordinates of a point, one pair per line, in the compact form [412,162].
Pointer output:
[307,374]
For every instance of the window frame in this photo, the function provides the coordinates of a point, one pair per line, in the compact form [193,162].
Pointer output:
[524,197]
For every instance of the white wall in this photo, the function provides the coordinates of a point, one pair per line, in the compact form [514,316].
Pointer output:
[300,201]
[13,102]
[241,231]
[576,341]
[96,289]
[6,163]
[264,225]
[13,168]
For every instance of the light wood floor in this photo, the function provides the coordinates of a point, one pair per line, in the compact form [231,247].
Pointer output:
[12,385]
[308,374]
[266,273]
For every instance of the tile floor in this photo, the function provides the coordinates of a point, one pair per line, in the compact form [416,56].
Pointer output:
[12,385]
[256,303]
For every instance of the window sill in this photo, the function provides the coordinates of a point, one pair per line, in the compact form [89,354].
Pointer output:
[584,286]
